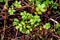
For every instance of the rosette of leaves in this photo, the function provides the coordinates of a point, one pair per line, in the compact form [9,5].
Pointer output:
[17,4]
[47,26]
[40,8]
[27,23]
[11,10]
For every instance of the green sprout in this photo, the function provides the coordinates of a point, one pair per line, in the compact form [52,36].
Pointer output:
[40,8]
[11,10]
[47,26]
[27,23]
[17,4]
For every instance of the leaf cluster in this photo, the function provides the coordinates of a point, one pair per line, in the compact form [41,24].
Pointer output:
[47,26]
[16,4]
[41,6]
[27,23]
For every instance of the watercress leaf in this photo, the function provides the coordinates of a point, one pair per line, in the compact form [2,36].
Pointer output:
[11,11]
[28,27]
[24,30]
[31,29]
[37,9]
[16,20]
[27,31]
[22,22]
[15,23]
[36,24]
[17,27]
[20,28]
[40,12]
[43,5]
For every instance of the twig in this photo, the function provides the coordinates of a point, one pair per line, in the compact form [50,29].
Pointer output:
[54,21]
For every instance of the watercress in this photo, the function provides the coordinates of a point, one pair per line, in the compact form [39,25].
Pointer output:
[41,6]
[17,4]
[47,26]
[27,23]
[11,10]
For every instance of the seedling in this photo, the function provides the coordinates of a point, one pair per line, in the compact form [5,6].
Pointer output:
[41,6]
[27,23]
[17,4]
[47,26]
[11,10]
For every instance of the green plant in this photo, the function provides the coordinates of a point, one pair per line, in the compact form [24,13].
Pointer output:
[27,23]
[17,4]
[47,26]
[57,26]
[16,21]
[11,10]
[41,6]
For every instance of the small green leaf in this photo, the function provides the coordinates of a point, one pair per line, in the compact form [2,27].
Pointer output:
[16,20]
[20,28]
[28,27]
[15,23]
[27,31]
[22,22]
[17,27]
